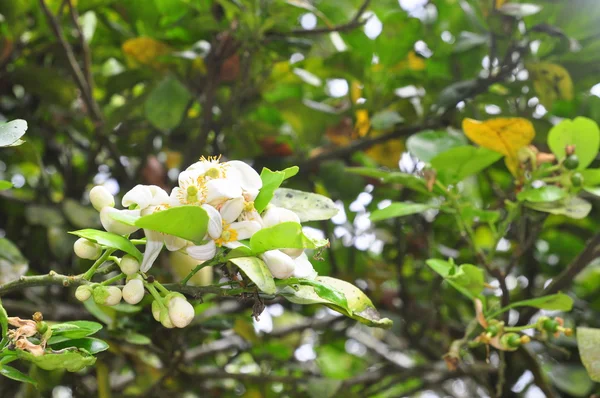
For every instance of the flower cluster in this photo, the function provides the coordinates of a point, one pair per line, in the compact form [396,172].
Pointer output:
[226,191]
[26,329]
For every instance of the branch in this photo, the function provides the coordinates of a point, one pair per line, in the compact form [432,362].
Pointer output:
[348,26]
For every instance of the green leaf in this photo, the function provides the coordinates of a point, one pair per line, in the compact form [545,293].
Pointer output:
[287,235]
[591,176]
[137,339]
[428,144]
[89,344]
[399,209]
[547,193]
[325,291]
[467,278]
[187,222]
[271,181]
[410,181]
[12,373]
[385,120]
[486,216]
[70,360]
[4,185]
[307,206]
[3,325]
[12,131]
[588,341]
[469,40]
[581,132]
[103,313]
[519,10]
[573,207]
[458,163]
[571,379]
[109,239]
[257,271]
[73,330]
[359,306]
[166,104]
[553,302]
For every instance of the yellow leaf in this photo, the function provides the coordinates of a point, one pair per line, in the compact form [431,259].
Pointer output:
[387,154]
[503,135]
[145,50]
[551,82]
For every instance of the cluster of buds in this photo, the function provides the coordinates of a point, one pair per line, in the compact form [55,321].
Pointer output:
[133,291]
[496,336]
[552,326]
[173,311]
[226,191]
[25,329]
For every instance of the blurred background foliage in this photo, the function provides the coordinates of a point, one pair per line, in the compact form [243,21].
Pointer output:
[125,92]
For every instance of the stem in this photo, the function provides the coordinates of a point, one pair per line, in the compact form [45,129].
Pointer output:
[214,261]
[155,294]
[138,241]
[161,287]
[113,279]
[90,272]
[115,260]
[519,328]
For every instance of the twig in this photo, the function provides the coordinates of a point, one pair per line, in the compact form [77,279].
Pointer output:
[348,26]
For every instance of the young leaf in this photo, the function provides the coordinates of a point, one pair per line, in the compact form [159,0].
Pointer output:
[287,235]
[458,163]
[307,206]
[12,131]
[588,342]
[12,373]
[271,181]
[554,302]
[73,330]
[467,278]
[547,193]
[89,344]
[187,222]
[257,271]
[109,239]
[399,209]
[428,144]
[581,132]
[573,207]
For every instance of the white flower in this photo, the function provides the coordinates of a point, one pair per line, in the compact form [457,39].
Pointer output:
[133,292]
[304,268]
[181,312]
[84,248]
[277,215]
[248,179]
[100,198]
[221,190]
[223,230]
[129,265]
[280,264]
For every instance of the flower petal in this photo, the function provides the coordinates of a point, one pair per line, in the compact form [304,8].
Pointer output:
[245,229]
[215,224]
[231,210]
[277,215]
[203,252]
[281,265]
[154,244]
[114,226]
[144,196]
[304,268]
[174,243]
[246,176]
[220,190]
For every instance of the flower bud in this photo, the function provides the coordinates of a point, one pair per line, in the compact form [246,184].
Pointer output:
[107,295]
[129,265]
[101,198]
[280,264]
[133,292]
[156,310]
[165,320]
[114,226]
[293,253]
[83,293]
[277,215]
[181,312]
[89,250]
[304,268]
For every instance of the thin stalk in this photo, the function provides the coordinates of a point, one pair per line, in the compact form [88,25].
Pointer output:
[90,272]
[113,279]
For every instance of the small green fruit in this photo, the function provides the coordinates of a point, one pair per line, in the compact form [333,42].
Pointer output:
[577,180]
[571,162]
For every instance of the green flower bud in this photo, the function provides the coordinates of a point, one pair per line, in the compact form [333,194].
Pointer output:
[107,295]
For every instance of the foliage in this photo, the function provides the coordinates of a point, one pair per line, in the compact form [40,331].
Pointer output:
[445,168]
